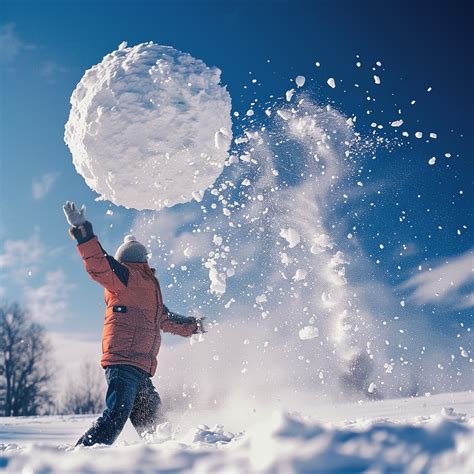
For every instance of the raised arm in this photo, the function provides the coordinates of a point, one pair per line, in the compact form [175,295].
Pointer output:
[100,266]
[178,324]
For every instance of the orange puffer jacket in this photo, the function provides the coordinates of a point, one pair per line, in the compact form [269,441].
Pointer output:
[135,312]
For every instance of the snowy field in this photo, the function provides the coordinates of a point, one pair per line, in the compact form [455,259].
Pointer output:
[427,434]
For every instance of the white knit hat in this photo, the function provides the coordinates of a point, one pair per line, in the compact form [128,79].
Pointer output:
[131,251]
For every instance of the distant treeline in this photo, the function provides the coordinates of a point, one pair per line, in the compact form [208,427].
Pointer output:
[27,372]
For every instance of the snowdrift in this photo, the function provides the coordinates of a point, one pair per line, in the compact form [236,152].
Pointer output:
[284,443]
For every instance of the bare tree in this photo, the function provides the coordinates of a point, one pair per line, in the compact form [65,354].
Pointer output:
[25,368]
[86,395]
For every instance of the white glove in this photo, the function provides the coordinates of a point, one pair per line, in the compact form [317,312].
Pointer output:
[200,325]
[74,216]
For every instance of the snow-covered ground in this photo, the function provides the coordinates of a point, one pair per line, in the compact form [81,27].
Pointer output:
[426,434]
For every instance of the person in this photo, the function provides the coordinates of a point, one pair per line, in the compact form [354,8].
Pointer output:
[134,318]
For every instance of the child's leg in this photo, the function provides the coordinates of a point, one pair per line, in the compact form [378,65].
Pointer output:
[124,382]
[146,413]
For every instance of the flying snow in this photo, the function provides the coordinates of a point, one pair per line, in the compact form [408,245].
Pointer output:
[149,126]
[308,332]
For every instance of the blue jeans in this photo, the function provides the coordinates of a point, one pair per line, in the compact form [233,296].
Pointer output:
[131,394]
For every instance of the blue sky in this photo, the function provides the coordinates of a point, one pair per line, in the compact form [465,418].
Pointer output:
[45,47]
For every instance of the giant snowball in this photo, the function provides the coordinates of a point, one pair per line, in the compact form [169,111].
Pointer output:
[149,126]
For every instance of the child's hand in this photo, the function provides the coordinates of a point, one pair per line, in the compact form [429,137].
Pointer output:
[74,216]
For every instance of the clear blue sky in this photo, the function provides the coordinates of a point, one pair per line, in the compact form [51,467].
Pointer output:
[46,47]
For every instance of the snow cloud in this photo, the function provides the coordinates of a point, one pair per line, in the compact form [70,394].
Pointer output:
[445,283]
[40,187]
[273,247]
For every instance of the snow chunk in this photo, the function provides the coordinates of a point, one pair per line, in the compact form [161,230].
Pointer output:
[300,80]
[372,388]
[198,195]
[397,123]
[218,284]
[241,140]
[222,139]
[291,236]
[432,161]
[122,131]
[284,114]
[418,134]
[308,332]
[331,82]
[261,299]
[285,259]
[300,275]
[377,79]
[321,242]
[289,94]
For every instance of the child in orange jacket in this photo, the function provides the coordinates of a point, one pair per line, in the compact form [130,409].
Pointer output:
[131,339]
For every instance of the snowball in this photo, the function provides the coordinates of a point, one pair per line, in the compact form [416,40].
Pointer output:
[432,161]
[308,332]
[291,236]
[300,80]
[331,82]
[418,134]
[149,126]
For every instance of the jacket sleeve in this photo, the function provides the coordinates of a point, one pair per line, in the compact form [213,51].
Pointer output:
[101,267]
[177,324]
